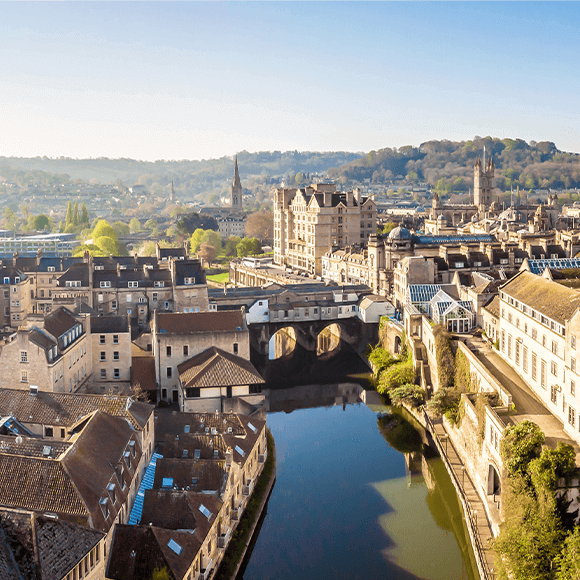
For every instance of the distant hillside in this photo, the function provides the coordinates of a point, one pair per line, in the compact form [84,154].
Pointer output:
[130,171]
[448,165]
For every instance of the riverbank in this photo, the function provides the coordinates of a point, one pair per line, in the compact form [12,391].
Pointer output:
[244,534]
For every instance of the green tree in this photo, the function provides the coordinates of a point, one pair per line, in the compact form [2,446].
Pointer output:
[244,247]
[206,253]
[107,245]
[568,561]
[213,239]
[230,246]
[76,220]
[69,215]
[135,226]
[196,240]
[9,219]
[121,229]
[150,224]
[84,214]
[104,228]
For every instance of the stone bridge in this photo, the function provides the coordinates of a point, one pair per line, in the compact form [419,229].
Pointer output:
[351,330]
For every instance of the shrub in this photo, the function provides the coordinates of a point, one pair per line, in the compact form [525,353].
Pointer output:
[444,402]
[381,359]
[444,357]
[408,393]
[395,376]
[519,445]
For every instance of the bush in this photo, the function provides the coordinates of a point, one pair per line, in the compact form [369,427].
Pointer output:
[519,445]
[395,376]
[444,402]
[381,359]
[408,393]
[444,357]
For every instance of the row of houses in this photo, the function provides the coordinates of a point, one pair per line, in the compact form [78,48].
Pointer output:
[96,486]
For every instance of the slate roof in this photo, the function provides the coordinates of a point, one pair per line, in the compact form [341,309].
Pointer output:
[143,372]
[33,447]
[60,321]
[215,367]
[208,474]
[547,297]
[109,324]
[38,337]
[76,272]
[192,322]
[62,545]
[65,409]
[493,306]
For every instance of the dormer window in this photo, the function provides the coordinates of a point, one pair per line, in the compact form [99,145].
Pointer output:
[17,280]
[105,284]
[51,269]
[6,280]
[104,507]
[127,457]
[100,267]
[159,284]
[72,283]
[111,490]
[190,280]
[133,284]
[132,448]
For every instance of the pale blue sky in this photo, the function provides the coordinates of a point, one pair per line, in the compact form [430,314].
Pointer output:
[193,80]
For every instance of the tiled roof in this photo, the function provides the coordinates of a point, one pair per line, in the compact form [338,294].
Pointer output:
[190,323]
[39,485]
[547,297]
[38,337]
[216,368]
[143,372]
[66,409]
[32,447]
[208,475]
[134,553]
[59,321]
[62,545]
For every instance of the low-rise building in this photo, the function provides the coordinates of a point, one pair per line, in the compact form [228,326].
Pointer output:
[111,349]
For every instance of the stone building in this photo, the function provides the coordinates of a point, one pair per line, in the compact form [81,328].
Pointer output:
[111,348]
[203,477]
[176,337]
[310,221]
[53,353]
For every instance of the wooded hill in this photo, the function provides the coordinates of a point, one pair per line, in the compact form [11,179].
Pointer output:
[448,165]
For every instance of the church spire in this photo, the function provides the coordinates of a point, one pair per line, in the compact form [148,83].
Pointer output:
[236,189]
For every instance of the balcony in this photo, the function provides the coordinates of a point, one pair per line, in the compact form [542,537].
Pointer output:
[236,514]
[205,572]
[224,539]
[247,489]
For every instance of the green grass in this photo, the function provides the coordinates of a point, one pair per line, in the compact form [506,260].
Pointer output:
[241,537]
[222,278]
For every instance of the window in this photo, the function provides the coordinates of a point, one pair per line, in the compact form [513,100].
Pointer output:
[192,393]
[50,269]
[517,353]
[129,310]
[169,372]
[554,394]
[503,341]
[573,364]
[103,355]
[116,373]
[185,350]
[48,432]
[103,373]
[23,356]
[105,284]
[24,377]
[554,347]
[573,388]
[102,339]
[510,345]
[235,348]
[534,334]
[154,296]
[543,374]
[158,284]
[544,341]
[189,281]
[100,298]
[554,368]
[142,300]
[113,305]
[571,415]
[168,350]
[525,360]
[116,355]
[573,342]
[129,298]
[133,284]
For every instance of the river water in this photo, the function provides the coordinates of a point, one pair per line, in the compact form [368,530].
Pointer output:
[347,504]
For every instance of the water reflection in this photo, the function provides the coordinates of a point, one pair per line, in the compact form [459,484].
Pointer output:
[346,503]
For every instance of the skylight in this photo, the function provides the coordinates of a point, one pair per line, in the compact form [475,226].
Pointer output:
[173,545]
[252,428]
[205,511]
[240,450]
[167,483]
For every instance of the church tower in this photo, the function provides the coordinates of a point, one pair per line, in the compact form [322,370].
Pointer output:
[483,174]
[236,189]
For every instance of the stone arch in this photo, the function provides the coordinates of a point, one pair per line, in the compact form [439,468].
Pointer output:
[493,481]
[397,346]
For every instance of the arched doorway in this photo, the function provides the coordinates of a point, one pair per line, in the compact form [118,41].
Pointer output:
[493,482]
[397,347]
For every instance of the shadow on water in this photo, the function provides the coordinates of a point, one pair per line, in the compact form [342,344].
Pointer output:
[402,431]
[304,367]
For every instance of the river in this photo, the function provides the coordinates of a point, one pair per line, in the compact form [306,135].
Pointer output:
[347,504]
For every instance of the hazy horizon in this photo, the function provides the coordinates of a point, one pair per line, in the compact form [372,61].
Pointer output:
[174,81]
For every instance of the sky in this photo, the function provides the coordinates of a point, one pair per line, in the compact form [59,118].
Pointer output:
[198,80]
